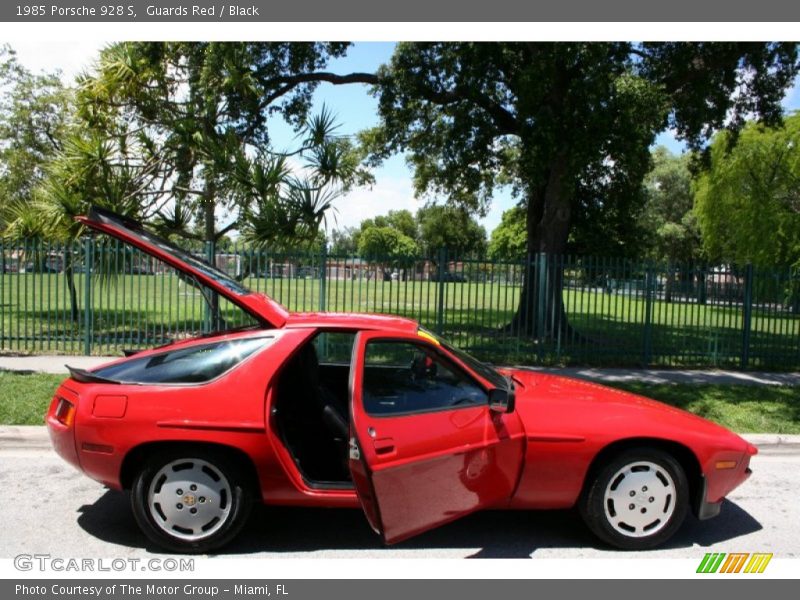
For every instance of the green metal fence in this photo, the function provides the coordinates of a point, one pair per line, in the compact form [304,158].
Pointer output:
[100,297]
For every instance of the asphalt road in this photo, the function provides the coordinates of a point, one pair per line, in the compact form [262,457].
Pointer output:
[48,507]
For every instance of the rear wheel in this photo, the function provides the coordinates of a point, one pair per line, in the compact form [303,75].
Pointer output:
[637,500]
[191,500]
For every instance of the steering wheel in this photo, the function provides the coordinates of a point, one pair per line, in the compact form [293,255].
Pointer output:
[423,367]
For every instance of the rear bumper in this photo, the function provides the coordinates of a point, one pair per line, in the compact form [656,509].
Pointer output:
[62,435]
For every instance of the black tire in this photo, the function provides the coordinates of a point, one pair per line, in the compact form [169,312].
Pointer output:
[637,500]
[216,491]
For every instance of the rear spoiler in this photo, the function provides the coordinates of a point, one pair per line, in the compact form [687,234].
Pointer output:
[84,376]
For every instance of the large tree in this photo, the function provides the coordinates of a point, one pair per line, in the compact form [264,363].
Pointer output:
[509,239]
[748,201]
[388,248]
[36,117]
[401,221]
[35,113]
[568,125]
[451,227]
[198,115]
[667,220]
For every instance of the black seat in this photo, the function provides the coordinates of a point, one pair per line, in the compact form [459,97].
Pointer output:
[313,423]
[334,420]
[330,409]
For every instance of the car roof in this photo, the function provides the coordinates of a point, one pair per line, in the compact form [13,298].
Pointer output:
[303,320]
[351,321]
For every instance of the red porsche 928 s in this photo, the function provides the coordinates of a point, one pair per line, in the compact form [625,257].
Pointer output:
[348,410]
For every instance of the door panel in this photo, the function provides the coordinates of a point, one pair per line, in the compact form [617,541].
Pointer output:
[417,470]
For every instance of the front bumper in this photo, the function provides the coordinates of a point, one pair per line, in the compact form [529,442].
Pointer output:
[710,494]
[702,508]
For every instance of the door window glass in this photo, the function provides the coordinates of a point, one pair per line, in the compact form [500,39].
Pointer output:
[406,378]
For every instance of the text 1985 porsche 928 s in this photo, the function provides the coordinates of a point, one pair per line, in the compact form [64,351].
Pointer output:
[342,410]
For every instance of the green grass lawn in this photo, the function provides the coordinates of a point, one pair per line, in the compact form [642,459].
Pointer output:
[24,398]
[741,408]
[606,329]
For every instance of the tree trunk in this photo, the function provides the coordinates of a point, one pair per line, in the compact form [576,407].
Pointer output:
[69,275]
[669,285]
[541,313]
[215,320]
[702,283]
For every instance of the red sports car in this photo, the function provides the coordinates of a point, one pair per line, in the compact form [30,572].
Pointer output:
[348,410]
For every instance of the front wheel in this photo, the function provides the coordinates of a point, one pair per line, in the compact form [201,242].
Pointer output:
[190,501]
[637,500]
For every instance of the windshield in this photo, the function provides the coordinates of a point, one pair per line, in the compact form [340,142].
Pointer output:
[482,369]
[135,230]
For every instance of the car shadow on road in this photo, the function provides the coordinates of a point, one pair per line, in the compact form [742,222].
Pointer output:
[488,534]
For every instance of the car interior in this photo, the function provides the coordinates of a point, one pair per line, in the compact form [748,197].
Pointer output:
[310,408]
[311,401]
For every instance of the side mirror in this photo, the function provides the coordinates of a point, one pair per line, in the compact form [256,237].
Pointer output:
[501,401]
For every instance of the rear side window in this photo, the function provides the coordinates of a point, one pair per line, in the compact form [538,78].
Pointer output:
[195,364]
[335,347]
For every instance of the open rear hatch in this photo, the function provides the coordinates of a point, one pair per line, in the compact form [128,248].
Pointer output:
[260,306]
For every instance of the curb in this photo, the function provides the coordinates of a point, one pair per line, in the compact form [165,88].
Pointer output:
[771,439]
[668,376]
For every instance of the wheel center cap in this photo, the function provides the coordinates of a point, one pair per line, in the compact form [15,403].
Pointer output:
[189,500]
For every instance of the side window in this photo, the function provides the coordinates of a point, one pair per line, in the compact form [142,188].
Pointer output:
[406,378]
[195,364]
[334,347]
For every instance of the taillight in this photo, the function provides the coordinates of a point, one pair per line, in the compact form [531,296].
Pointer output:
[65,412]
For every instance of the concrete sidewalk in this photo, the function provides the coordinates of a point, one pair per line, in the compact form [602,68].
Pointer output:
[51,364]
[56,364]
[685,376]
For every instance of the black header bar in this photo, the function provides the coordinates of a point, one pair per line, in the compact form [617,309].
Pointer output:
[407,10]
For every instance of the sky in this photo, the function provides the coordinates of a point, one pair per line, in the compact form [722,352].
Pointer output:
[354,108]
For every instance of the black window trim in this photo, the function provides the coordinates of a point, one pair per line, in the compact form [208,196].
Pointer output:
[439,352]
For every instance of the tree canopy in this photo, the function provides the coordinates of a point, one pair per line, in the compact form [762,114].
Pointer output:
[509,239]
[387,246]
[400,220]
[568,125]
[452,228]
[34,118]
[431,228]
[196,118]
[668,221]
[748,202]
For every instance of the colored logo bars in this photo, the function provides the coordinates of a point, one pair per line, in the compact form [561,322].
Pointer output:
[735,562]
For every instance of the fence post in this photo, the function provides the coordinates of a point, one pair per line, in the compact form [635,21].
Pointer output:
[323,276]
[87,296]
[541,300]
[440,275]
[649,285]
[209,316]
[747,315]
